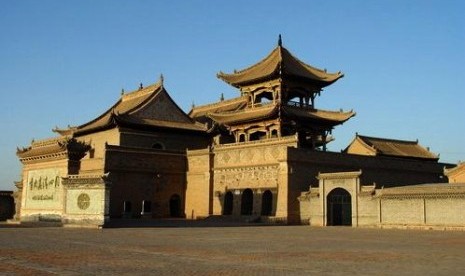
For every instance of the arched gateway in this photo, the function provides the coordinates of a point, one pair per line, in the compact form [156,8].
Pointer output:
[175,206]
[247,202]
[267,203]
[228,203]
[339,207]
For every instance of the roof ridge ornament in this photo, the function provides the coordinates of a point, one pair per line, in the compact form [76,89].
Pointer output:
[162,79]
[280,41]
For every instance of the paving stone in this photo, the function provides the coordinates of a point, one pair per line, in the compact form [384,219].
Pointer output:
[178,249]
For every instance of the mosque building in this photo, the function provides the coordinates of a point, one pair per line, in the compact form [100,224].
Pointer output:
[260,156]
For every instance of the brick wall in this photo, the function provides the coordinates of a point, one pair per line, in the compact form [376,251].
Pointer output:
[199,191]
[383,171]
[140,174]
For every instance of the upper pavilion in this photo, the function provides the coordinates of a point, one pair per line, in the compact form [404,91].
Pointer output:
[281,76]
[277,98]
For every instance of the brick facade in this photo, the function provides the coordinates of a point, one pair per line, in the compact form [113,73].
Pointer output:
[427,206]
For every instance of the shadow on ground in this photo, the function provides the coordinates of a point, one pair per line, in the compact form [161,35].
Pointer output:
[213,221]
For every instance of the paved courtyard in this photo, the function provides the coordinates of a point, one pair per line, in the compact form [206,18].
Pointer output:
[184,249]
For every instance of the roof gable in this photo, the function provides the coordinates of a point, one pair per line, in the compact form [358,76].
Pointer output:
[392,147]
[127,103]
[358,146]
[150,106]
[162,108]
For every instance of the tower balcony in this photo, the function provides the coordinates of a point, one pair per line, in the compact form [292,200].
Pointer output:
[300,104]
[290,140]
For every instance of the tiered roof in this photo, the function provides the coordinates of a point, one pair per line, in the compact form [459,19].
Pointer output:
[280,63]
[244,115]
[329,118]
[326,117]
[282,77]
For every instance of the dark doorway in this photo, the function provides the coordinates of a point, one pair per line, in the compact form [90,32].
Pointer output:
[339,211]
[228,204]
[247,202]
[146,206]
[267,203]
[175,206]
[127,207]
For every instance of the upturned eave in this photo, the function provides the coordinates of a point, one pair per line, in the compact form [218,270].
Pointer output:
[280,63]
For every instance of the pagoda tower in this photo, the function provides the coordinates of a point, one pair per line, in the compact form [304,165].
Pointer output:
[277,99]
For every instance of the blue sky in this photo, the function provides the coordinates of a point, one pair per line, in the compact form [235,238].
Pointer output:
[65,62]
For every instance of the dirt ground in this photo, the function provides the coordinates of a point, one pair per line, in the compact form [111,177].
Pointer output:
[183,249]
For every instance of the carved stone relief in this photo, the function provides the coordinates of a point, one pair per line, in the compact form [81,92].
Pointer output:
[247,156]
[83,201]
[256,177]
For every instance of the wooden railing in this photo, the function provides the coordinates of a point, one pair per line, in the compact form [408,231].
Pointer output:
[298,104]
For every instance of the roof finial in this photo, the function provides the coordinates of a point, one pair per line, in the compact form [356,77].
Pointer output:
[280,41]
[222,97]
[122,91]
[141,86]
[161,79]
[193,105]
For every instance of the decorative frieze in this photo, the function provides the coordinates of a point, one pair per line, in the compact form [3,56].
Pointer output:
[85,181]
[257,177]
[248,156]
[45,157]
